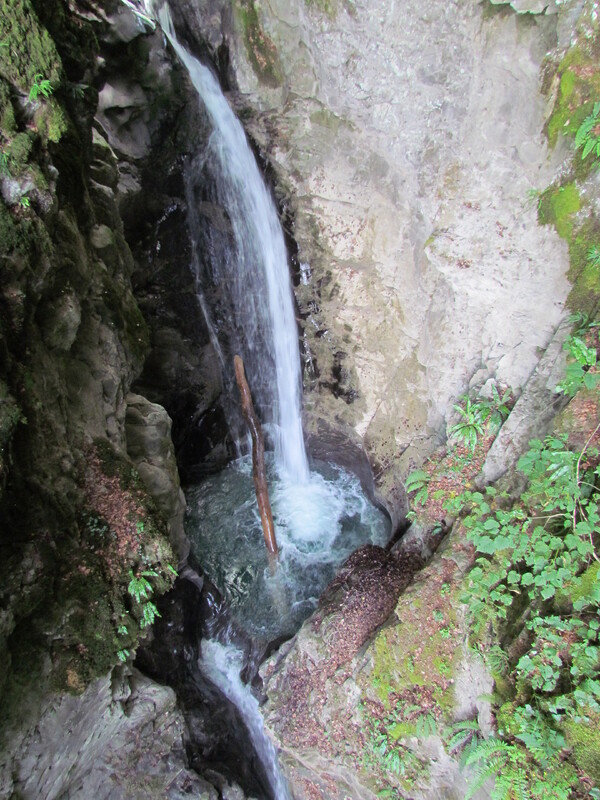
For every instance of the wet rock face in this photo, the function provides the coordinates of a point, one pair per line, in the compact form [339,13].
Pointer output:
[217,742]
[72,340]
[149,117]
[149,444]
[122,738]
[407,140]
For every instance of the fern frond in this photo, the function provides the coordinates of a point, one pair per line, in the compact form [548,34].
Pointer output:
[482,775]
[488,748]
[462,732]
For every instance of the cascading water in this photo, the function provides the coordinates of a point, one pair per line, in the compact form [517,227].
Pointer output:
[320,516]
[223,664]
[255,276]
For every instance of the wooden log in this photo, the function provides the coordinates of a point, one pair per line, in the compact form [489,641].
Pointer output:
[258,458]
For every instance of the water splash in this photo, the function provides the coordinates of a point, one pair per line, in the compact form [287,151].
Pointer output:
[255,276]
[318,525]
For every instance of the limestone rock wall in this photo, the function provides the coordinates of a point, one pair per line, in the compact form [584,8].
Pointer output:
[409,142]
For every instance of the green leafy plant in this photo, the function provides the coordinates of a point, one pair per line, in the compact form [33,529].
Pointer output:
[40,86]
[123,655]
[537,558]
[496,408]
[497,660]
[444,669]
[77,90]
[149,614]
[426,726]
[514,774]
[462,733]
[588,135]
[141,590]
[593,256]
[385,750]
[581,322]
[540,554]
[417,482]
[470,426]
[24,201]
[581,365]
[4,163]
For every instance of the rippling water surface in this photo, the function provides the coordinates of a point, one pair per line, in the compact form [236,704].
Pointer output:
[317,524]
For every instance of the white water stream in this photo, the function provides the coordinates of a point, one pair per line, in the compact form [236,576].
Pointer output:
[256,276]
[222,664]
[320,517]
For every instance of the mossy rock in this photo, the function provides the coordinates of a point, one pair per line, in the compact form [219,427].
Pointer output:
[557,206]
[584,738]
[7,112]
[19,150]
[15,234]
[27,49]
[584,273]
[261,50]
[582,586]
[505,718]
[327,7]
[579,80]
[120,308]
[52,122]
[579,417]
[405,659]
[571,109]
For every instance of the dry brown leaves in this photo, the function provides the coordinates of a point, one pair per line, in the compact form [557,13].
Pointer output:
[121,510]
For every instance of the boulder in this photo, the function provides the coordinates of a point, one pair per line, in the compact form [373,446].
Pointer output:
[148,432]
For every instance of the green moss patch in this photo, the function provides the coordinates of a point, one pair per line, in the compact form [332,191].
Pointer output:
[418,654]
[327,7]
[584,272]
[260,48]
[557,206]
[579,80]
[584,738]
[27,49]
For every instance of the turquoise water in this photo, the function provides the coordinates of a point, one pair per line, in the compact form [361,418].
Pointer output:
[317,525]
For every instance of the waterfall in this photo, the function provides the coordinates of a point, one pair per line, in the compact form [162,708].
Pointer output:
[253,280]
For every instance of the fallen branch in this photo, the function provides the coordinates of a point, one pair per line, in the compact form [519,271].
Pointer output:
[258,458]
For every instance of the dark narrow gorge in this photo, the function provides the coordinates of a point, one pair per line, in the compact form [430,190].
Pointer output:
[389,214]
